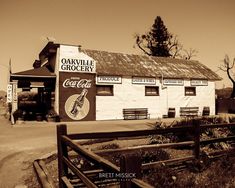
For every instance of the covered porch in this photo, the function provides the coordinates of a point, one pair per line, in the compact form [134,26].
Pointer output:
[35,91]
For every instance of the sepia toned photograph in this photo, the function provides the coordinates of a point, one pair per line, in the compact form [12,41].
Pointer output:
[117,94]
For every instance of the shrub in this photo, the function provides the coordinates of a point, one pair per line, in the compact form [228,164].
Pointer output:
[109,146]
[152,156]
[160,177]
[18,114]
[51,113]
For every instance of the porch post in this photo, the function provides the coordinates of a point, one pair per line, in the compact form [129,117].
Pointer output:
[14,100]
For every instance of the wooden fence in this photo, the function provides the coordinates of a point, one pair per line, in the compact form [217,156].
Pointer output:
[66,165]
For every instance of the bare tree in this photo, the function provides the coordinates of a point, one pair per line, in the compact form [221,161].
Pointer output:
[175,47]
[189,53]
[227,67]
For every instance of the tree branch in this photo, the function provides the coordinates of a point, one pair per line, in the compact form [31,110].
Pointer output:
[229,76]
[139,42]
[190,53]
[223,69]
[226,67]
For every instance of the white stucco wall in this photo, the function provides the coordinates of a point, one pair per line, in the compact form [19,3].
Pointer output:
[205,96]
[128,95]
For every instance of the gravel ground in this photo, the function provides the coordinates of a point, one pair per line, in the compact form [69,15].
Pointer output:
[21,144]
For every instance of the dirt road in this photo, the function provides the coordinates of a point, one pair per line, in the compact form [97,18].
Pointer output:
[19,147]
[22,144]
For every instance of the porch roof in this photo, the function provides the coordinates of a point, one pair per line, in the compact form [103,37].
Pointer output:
[41,72]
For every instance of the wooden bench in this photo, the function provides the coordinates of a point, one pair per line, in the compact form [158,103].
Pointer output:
[189,111]
[135,113]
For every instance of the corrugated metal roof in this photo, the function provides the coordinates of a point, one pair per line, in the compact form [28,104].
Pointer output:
[109,63]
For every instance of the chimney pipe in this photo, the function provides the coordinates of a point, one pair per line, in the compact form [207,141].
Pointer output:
[79,48]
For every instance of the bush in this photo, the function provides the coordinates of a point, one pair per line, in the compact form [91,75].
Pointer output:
[18,114]
[52,116]
[109,146]
[160,177]
[27,95]
[52,113]
[153,156]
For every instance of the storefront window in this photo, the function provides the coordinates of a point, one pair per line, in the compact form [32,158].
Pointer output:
[104,90]
[151,91]
[190,91]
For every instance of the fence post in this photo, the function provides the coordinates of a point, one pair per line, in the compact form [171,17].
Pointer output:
[61,151]
[131,165]
[196,125]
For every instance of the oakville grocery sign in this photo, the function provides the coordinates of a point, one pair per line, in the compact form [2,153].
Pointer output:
[77,65]
[72,60]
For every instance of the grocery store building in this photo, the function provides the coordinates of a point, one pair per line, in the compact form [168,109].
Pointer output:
[82,84]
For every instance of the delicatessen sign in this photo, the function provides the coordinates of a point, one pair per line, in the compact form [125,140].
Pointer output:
[143,80]
[72,60]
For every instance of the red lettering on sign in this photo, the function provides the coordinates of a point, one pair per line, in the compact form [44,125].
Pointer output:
[77,83]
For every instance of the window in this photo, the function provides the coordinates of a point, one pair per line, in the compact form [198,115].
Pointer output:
[26,89]
[23,83]
[190,91]
[104,90]
[151,91]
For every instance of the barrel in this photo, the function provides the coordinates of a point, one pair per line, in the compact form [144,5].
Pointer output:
[39,117]
[171,112]
[206,111]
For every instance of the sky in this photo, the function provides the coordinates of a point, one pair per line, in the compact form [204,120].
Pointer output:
[205,25]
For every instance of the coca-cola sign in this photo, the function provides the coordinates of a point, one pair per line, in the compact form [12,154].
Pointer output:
[77,106]
[77,83]
[77,95]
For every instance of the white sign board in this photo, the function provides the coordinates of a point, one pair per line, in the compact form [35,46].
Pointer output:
[14,93]
[144,80]
[199,82]
[71,60]
[177,82]
[109,79]
[9,93]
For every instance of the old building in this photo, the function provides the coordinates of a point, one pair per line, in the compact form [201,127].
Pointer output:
[82,84]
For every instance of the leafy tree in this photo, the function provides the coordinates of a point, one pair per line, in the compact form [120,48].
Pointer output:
[159,42]
[226,67]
